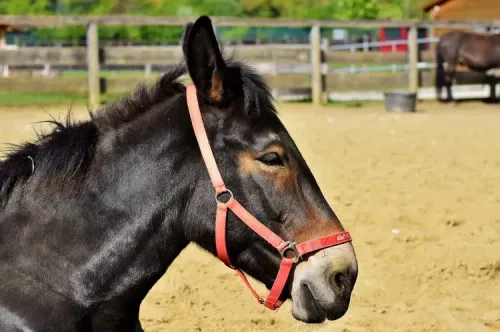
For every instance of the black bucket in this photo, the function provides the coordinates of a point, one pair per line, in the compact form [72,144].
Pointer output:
[400,101]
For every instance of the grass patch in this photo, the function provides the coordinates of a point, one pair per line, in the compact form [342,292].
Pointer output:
[13,99]
[107,73]
[9,98]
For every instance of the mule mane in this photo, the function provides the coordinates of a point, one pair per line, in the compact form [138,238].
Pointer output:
[68,150]
[128,108]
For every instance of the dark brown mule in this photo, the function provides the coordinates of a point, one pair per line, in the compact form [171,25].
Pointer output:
[476,51]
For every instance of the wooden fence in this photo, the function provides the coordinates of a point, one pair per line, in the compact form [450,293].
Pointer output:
[316,57]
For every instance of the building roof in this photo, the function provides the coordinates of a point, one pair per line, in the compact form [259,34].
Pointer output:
[428,5]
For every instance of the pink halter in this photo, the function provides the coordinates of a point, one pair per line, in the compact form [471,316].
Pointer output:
[284,247]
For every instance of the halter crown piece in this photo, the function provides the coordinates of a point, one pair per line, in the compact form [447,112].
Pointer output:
[284,247]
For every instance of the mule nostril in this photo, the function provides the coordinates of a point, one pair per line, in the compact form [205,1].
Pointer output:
[338,278]
[307,289]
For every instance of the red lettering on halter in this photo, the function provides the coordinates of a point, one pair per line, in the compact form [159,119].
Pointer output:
[342,237]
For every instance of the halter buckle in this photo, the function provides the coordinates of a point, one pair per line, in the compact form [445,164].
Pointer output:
[227,191]
[291,248]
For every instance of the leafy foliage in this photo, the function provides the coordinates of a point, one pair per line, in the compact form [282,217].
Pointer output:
[25,7]
[297,9]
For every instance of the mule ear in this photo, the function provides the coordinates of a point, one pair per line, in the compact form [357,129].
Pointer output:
[185,35]
[204,59]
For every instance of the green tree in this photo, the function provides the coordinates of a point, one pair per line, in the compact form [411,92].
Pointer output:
[357,9]
[25,7]
[401,9]
[186,8]
[294,9]
[313,9]
[155,34]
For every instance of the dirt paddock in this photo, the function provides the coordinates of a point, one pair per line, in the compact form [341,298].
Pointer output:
[420,194]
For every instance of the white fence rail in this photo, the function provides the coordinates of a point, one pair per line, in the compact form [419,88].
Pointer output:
[377,44]
[354,69]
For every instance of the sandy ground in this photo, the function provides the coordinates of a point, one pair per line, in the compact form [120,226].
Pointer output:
[420,194]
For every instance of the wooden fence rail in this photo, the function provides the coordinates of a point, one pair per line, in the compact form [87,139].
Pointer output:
[166,55]
[157,55]
[344,82]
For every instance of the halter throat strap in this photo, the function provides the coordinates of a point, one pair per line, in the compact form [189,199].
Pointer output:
[285,248]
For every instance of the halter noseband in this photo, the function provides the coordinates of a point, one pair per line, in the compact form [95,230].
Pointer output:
[284,247]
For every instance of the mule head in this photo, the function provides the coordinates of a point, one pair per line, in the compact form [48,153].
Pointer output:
[263,167]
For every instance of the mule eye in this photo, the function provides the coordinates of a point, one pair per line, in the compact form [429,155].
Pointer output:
[271,159]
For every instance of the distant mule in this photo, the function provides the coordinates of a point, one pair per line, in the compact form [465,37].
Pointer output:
[476,51]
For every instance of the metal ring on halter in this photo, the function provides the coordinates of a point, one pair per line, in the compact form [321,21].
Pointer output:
[291,247]
[222,193]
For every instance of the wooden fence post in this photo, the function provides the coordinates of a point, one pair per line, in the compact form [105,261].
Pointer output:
[316,86]
[324,70]
[93,65]
[413,73]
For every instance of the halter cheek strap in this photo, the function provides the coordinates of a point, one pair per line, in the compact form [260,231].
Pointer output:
[290,251]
